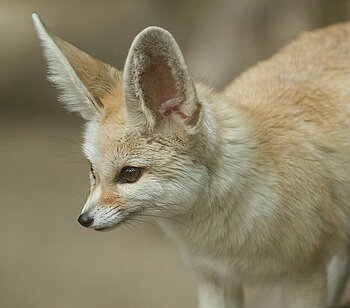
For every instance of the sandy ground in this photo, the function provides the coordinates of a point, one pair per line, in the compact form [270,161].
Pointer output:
[48,260]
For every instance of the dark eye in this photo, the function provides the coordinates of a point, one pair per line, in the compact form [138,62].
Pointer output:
[130,174]
[92,171]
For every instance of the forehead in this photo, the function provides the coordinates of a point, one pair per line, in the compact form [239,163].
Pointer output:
[110,146]
[107,141]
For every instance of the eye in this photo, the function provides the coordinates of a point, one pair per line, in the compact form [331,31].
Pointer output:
[130,174]
[92,172]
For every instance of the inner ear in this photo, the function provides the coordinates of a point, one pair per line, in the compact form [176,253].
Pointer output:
[158,84]
[160,90]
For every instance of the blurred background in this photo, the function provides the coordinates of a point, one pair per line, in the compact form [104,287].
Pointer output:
[46,258]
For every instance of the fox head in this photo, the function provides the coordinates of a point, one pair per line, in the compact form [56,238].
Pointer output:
[145,126]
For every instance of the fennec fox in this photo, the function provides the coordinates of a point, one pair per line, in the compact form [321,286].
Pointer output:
[255,180]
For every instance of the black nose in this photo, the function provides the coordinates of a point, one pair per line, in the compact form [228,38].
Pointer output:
[85,220]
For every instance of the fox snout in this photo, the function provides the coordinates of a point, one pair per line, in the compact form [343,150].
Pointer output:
[102,217]
[85,219]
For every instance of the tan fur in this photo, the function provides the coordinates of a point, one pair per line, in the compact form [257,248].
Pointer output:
[298,110]
[254,181]
[99,78]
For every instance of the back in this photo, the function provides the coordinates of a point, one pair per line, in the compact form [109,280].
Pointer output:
[316,63]
[297,108]
[301,94]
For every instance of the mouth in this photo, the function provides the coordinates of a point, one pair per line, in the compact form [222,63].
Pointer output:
[108,228]
[118,223]
[104,229]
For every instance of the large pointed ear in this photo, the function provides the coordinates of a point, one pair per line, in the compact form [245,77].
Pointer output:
[158,86]
[83,80]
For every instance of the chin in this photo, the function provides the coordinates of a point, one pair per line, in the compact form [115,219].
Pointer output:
[107,228]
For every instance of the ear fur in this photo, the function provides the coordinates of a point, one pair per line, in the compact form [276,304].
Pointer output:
[157,83]
[82,79]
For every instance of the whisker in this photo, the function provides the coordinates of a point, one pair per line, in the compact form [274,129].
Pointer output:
[71,141]
[128,223]
[164,217]
[125,225]
[73,162]
[88,151]
[140,220]
[69,153]
[111,209]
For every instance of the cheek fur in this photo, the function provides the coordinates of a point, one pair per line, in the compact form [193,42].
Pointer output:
[111,197]
[166,189]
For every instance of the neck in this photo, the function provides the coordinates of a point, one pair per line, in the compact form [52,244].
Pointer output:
[227,153]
